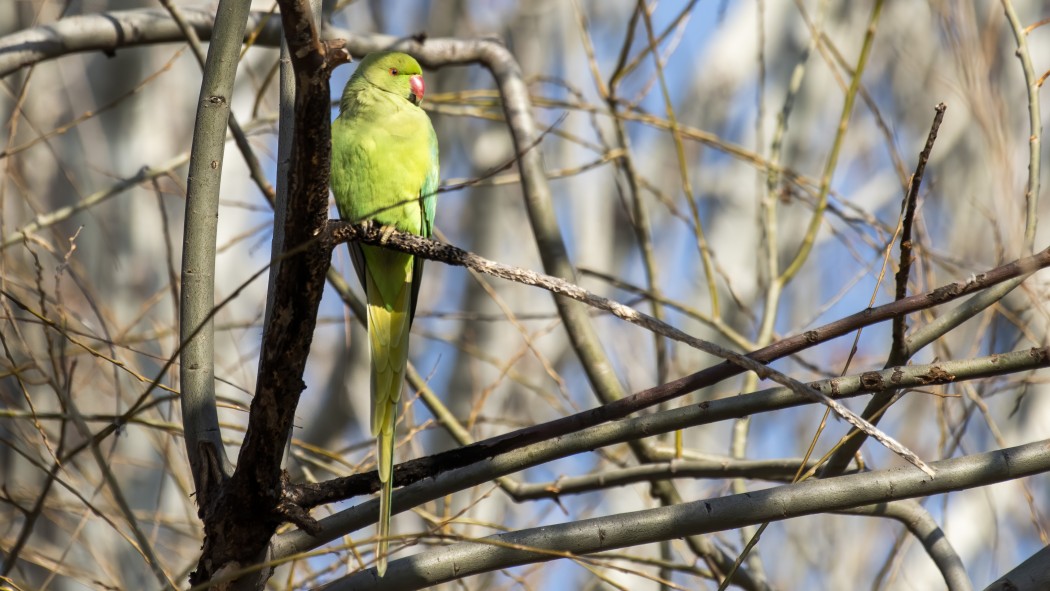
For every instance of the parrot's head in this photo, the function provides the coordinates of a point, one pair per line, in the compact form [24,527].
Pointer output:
[394,72]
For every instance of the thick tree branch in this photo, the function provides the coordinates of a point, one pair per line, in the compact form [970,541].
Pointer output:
[238,532]
[1031,575]
[208,461]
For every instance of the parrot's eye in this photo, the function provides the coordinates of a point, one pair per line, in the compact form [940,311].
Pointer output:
[393,71]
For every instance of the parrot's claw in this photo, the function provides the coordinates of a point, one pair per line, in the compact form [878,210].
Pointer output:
[366,226]
[385,233]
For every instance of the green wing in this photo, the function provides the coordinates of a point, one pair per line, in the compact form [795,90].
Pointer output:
[429,198]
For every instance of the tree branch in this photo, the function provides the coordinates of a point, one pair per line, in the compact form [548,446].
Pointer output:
[674,468]
[208,461]
[370,234]
[911,199]
[432,477]
[922,526]
[698,517]
[115,30]
[250,508]
[1031,575]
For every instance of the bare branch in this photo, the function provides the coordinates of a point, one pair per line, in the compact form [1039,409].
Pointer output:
[196,332]
[115,30]
[241,520]
[907,220]
[925,530]
[432,477]
[706,516]
[1031,575]
[429,249]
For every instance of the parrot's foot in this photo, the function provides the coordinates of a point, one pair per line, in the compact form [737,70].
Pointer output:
[385,233]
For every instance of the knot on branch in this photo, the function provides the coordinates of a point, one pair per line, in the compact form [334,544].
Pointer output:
[936,375]
[336,53]
[290,509]
[309,53]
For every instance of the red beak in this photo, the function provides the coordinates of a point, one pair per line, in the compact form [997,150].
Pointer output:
[415,84]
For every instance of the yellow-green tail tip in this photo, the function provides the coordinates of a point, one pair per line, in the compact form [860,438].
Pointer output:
[382,545]
[386,490]
[381,565]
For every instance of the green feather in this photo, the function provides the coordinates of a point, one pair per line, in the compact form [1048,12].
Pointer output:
[385,169]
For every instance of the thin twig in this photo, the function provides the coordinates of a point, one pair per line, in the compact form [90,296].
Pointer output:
[831,163]
[683,166]
[908,208]
[1035,124]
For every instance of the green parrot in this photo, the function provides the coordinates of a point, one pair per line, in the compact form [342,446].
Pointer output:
[385,169]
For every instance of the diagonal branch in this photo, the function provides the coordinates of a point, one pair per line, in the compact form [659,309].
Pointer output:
[429,249]
[561,287]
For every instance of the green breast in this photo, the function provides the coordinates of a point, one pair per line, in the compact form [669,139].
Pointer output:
[379,165]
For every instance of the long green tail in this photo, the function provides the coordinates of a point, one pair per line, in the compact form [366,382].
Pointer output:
[388,329]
